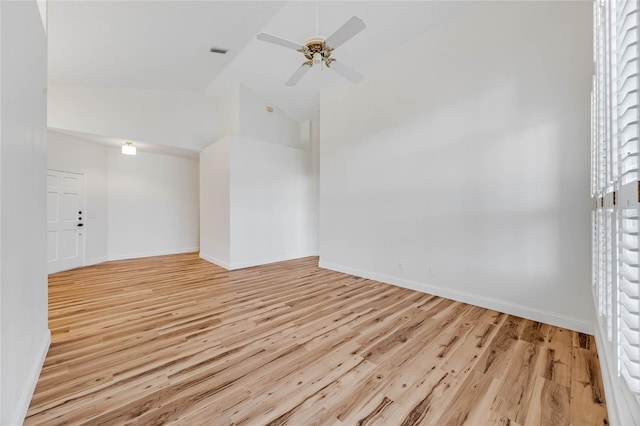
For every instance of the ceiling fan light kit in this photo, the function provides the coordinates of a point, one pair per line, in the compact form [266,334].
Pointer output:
[317,49]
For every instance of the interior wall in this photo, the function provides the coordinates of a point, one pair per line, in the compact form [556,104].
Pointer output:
[134,207]
[24,335]
[214,203]
[314,195]
[257,196]
[465,171]
[270,203]
[259,124]
[226,117]
[71,154]
[166,117]
[153,205]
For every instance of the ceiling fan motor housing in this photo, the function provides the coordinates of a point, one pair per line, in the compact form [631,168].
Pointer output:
[316,50]
[315,45]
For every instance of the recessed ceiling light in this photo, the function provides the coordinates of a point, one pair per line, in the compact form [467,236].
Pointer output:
[217,50]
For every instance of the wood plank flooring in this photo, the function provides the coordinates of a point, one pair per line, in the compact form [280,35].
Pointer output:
[177,340]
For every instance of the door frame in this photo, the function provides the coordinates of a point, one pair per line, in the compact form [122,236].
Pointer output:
[83,248]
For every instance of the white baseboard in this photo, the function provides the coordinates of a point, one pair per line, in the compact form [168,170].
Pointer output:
[27,393]
[603,356]
[214,260]
[96,260]
[267,260]
[152,253]
[618,409]
[249,263]
[474,299]
[102,259]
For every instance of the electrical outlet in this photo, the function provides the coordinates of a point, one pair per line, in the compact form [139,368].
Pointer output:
[401,266]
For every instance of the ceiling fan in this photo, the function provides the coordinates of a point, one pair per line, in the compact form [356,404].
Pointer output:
[317,49]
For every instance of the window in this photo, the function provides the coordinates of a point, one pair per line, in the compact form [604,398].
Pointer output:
[615,188]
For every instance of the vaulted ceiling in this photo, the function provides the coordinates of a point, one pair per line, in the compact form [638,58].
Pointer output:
[165,44]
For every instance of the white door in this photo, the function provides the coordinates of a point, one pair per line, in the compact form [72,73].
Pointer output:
[65,220]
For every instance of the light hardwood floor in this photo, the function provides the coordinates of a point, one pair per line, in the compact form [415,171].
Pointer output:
[177,340]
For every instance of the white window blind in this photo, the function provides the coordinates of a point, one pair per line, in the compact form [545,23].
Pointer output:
[624,66]
[610,273]
[626,79]
[615,188]
[628,306]
[599,267]
[603,238]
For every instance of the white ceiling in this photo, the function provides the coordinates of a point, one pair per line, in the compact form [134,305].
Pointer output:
[149,44]
[165,44]
[264,67]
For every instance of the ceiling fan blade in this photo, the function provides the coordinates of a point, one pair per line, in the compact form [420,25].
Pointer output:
[279,41]
[352,27]
[295,78]
[347,72]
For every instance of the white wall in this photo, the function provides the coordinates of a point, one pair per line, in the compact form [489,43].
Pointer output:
[214,203]
[153,205]
[465,171]
[136,206]
[270,203]
[257,123]
[182,119]
[257,189]
[24,336]
[72,154]
[314,195]
[226,117]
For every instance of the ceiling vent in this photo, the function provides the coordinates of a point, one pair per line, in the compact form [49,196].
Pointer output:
[217,50]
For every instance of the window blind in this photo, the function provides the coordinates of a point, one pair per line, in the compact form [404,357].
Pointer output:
[625,65]
[600,267]
[615,188]
[626,76]
[628,305]
[610,273]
